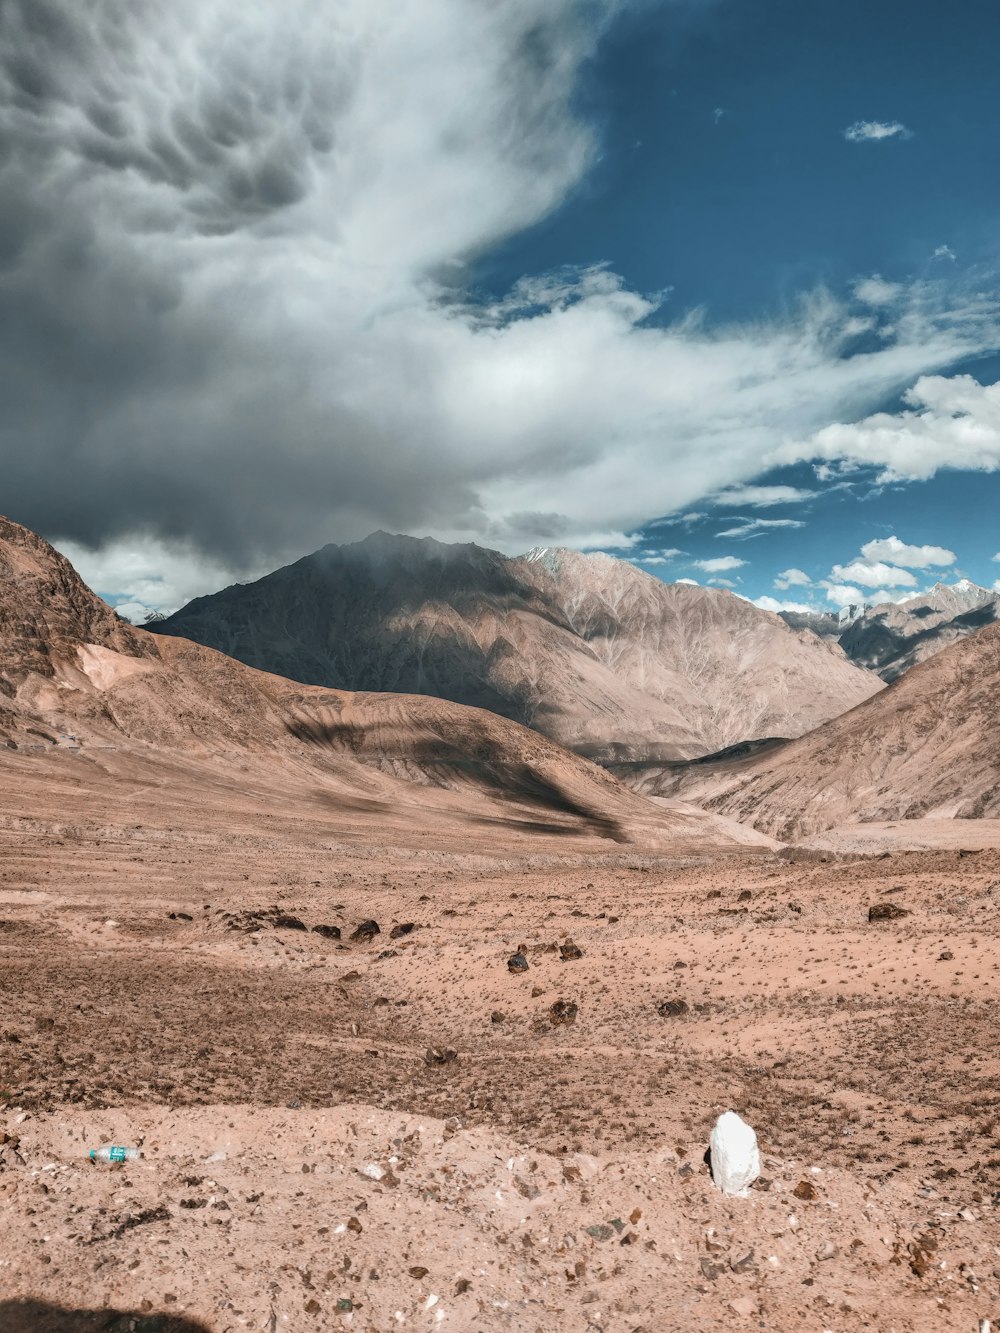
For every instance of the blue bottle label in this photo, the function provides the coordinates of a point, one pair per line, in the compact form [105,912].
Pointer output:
[117,1155]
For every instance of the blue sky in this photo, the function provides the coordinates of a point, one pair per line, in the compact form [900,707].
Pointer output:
[534,274]
[727,178]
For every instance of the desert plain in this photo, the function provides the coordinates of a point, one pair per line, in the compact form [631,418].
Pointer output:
[399,1132]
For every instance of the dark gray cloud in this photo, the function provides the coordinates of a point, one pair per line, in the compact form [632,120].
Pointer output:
[232,238]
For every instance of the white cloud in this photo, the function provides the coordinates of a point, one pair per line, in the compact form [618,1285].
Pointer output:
[142,576]
[868,131]
[773,604]
[757,527]
[911,557]
[997,556]
[945,252]
[843,596]
[996,585]
[258,266]
[721,583]
[760,497]
[792,578]
[873,574]
[693,583]
[718,563]
[949,422]
[877,292]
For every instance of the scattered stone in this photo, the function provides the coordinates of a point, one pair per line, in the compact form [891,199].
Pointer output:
[462,1286]
[710,1270]
[946,956]
[366,932]
[714,893]
[827,1251]
[743,1263]
[886,912]
[497,1017]
[563,1012]
[354,1225]
[440,1055]
[806,1190]
[678,965]
[600,1231]
[536,991]
[672,1008]
[744,896]
[328,932]
[399,931]
[180,916]
[570,951]
[734,1155]
[418,1271]
[795,907]
[744,1306]
[289,923]
[517,962]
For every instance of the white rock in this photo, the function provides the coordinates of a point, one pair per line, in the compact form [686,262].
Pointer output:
[735,1155]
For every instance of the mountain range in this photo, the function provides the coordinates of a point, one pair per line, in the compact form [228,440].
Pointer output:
[891,637]
[110,704]
[599,656]
[925,747]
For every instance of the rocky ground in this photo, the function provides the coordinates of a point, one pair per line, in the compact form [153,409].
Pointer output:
[396,1131]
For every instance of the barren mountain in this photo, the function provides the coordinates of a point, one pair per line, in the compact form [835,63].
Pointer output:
[78,682]
[893,636]
[588,650]
[924,747]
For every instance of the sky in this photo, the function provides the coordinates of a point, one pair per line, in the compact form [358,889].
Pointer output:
[710,284]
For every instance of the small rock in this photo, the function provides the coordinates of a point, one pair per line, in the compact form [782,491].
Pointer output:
[827,1251]
[366,932]
[517,962]
[354,1225]
[946,956]
[735,1157]
[570,951]
[600,1231]
[563,1012]
[744,1263]
[805,1189]
[440,1055]
[744,1306]
[399,931]
[886,912]
[678,965]
[672,1008]
[744,896]
[795,907]
[497,1017]
[418,1272]
[710,1270]
[462,1286]
[328,932]
[288,923]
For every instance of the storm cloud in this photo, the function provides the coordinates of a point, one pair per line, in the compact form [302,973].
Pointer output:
[235,247]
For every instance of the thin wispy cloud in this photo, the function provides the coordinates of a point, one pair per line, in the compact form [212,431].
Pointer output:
[873,131]
[758,527]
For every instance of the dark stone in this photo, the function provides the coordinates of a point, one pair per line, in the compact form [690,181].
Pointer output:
[289,923]
[497,1017]
[563,1012]
[806,1190]
[517,962]
[569,951]
[672,1008]
[886,912]
[744,896]
[438,1055]
[328,932]
[398,932]
[366,932]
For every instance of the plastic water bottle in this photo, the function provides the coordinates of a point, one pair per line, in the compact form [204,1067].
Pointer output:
[113,1152]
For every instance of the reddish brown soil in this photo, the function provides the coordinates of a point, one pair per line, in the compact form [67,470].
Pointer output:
[261,1070]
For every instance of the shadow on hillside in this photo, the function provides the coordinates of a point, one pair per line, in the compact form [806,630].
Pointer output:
[31,1316]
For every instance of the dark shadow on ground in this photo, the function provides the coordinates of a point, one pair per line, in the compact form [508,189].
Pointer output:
[41,1317]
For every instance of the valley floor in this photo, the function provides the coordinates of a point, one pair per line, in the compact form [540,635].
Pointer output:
[313,1157]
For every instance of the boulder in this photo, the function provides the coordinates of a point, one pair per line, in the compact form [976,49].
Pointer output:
[735,1157]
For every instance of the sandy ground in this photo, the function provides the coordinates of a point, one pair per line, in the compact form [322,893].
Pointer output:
[315,1159]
